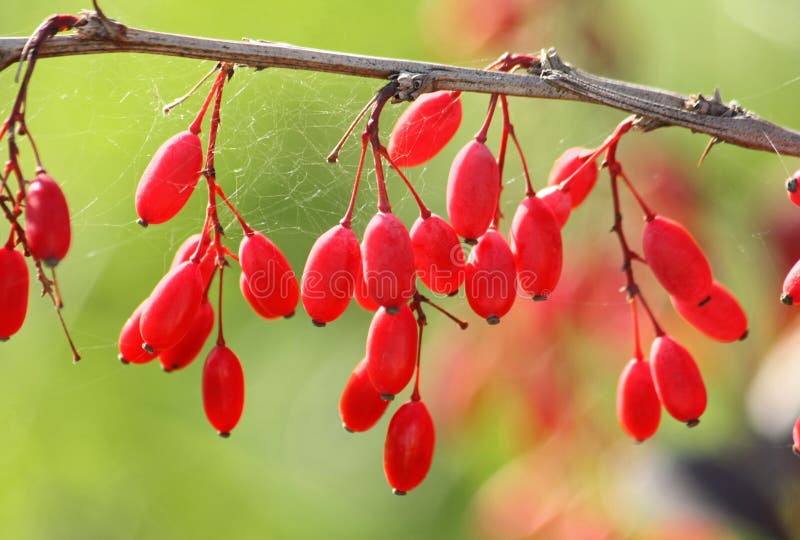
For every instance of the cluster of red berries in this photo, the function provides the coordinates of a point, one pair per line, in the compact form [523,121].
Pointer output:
[36,209]
[177,318]
[381,271]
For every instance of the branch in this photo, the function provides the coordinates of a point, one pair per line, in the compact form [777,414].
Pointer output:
[550,79]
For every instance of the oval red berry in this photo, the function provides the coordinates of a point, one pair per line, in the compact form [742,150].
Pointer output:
[424,128]
[223,389]
[329,278]
[391,350]
[566,165]
[47,226]
[677,379]
[388,260]
[473,189]
[360,406]
[676,260]
[169,179]
[170,310]
[438,254]
[408,451]
[720,318]
[269,275]
[490,277]
[14,286]
[638,406]
[536,245]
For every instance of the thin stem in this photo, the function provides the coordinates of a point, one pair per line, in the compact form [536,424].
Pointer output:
[648,213]
[424,212]
[461,324]
[333,157]
[637,347]
[194,127]
[508,129]
[245,227]
[169,106]
[631,287]
[220,333]
[482,134]
[550,78]
[347,220]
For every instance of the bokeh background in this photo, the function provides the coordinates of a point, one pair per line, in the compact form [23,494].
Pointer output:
[528,443]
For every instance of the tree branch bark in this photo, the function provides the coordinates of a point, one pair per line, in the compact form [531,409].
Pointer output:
[551,79]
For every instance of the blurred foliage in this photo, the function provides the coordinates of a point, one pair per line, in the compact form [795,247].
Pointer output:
[530,445]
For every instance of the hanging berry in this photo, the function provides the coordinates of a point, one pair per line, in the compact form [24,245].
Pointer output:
[360,406]
[223,389]
[566,166]
[490,277]
[438,255]
[169,179]
[559,201]
[638,406]
[676,260]
[791,285]
[473,190]
[171,308]
[391,350]
[186,350]
[409,447]
[678,381]
[14,285]
[388,261]
[329,278]
[424,128]
[268,274]
[721,318]
[536,246]
[131,344]
[47,226]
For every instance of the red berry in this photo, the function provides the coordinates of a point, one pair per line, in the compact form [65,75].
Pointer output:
[721,318]
[186,350]
[490,277]
[169,179]
[130,340]
[187,250]
[559,201]
[792,188]
[569,162]
[536,245]
[47,227]
[361,294]
[676,260]
[409,446]
[330,275]
[424,128]
[255,301]
[388,260]
[168,314]
[14,284]
[223,389]
[791,285]
[360,406]
[269,274]
[796,438]
[391,350]
[473,189]
[678,381]
[638,406]
[438,254]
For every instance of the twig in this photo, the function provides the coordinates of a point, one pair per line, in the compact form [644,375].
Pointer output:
[551,78]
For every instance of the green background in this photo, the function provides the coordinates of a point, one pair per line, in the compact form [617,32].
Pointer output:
[98,450]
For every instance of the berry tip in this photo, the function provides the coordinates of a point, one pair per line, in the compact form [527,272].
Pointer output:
[318,324]
[693,422]
[387,397]
[493,319]
[399,492]
[224,434]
